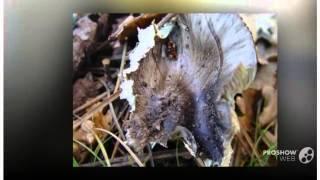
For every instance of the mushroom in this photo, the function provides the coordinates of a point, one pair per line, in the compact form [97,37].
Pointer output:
[185,84]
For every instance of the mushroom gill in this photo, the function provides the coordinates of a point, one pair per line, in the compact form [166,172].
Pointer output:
[186,84]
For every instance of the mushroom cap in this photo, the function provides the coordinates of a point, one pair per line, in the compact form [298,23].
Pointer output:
[189,80]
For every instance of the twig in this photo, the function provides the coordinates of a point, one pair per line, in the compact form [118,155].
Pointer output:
[102,45]
[112,111]
[116,90]
[252,146]
[118,57]
[115,150]
[244,145]
[88,103]
[100,161]
[237,156]
[165,19]
[86,116]
[156,156]
[127,162]
[121,67]
[269,138]
[103,150]
[257,128]
[169,154]
[117,143]
[151,157]
[123,111]
[199,162]
[124,145]
[177,150]
[121,151]
[116,121]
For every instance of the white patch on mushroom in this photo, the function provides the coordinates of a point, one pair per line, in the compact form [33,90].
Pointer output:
[146,42]
[127,93]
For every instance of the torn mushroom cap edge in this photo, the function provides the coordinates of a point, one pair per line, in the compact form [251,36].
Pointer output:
[146,38]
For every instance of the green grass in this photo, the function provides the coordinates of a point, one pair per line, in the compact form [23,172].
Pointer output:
[97,150]
[177,151]
[75,163]
[265,158]
[103,150]
[90,151]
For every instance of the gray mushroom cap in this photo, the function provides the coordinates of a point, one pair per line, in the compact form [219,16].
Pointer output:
[215,59]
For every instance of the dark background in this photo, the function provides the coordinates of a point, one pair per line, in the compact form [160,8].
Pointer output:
[38,84]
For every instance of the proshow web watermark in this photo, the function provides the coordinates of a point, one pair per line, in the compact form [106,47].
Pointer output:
[305,155]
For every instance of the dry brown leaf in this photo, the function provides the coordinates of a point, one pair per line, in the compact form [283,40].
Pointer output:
[259,102]
[271,138]
[83,37]
[266,76]
[266,83]
[102,121]
[84,89]
[130,24]
[241,104]
[248,106]
[84,133]
[270,109]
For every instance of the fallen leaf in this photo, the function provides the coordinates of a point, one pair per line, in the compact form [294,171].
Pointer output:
[247,103]
[266,76]
[270,109]
[129,26]
[83,37]
[85,133]
[84,89]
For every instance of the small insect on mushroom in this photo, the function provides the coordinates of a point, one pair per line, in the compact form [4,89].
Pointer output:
[171,50]
[193,95]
